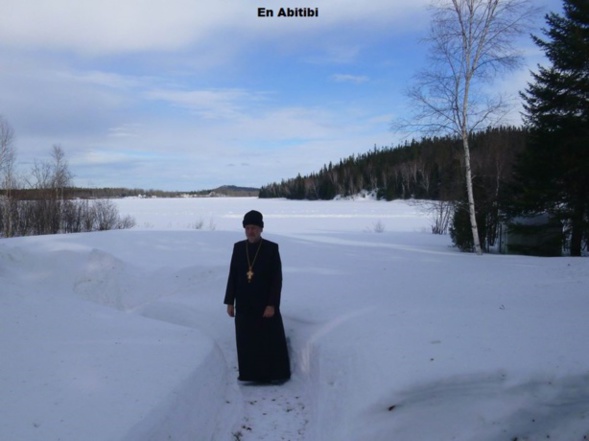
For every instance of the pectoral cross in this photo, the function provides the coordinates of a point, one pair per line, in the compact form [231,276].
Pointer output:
[250,275]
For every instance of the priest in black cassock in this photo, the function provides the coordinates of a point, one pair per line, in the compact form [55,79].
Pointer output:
[253,297]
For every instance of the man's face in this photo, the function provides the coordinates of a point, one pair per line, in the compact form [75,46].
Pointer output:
[253,233]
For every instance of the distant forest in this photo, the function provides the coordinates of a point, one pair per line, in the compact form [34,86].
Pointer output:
[121,192]
[431,168]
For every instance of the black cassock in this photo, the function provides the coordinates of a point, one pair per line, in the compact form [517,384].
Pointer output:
[262,352]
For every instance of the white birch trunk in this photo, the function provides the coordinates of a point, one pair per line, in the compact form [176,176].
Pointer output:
[471,205]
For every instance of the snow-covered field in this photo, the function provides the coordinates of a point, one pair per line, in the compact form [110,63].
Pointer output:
[394,335]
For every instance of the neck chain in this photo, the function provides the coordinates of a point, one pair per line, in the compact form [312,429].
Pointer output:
[250,272]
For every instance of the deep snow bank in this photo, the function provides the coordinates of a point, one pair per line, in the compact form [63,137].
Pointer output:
[77,365]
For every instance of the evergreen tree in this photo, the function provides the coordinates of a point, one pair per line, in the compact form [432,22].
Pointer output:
[554,170]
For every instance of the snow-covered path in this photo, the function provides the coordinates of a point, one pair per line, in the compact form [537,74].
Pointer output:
[250,411]
[273,413]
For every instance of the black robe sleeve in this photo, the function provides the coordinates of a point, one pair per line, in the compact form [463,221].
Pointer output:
[276,277]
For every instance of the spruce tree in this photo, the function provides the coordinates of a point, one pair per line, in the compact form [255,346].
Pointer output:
[554,170]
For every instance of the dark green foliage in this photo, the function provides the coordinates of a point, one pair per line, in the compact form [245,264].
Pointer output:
[553,173]
[460,230]
[535,239]
[427,169]
[486,217]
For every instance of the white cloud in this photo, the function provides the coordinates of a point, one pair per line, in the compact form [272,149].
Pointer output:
[110,25]
[347,78]
[125,130]
[210,104]
[114,26]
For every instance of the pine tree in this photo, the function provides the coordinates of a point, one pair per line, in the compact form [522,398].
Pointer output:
[554,170]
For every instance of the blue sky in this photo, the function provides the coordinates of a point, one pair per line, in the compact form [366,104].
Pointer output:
[189,95]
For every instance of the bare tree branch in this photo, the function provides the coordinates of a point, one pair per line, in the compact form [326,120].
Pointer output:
[470,43]
[7,153]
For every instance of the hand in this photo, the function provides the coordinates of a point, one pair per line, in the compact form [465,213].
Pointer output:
[269,312]
[231,310]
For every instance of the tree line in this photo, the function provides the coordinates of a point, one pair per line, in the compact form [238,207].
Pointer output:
[430,168]
[48,205]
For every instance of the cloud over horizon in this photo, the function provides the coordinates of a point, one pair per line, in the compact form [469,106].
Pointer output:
[185,94]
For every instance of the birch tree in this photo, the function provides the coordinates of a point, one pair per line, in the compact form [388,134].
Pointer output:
[470,42]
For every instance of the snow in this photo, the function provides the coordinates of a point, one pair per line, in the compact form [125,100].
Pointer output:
[393,333]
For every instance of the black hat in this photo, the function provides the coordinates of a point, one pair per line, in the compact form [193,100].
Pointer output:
[253,218]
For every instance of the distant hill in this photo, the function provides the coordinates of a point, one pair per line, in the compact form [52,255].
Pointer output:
[231,190]
[119,192]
